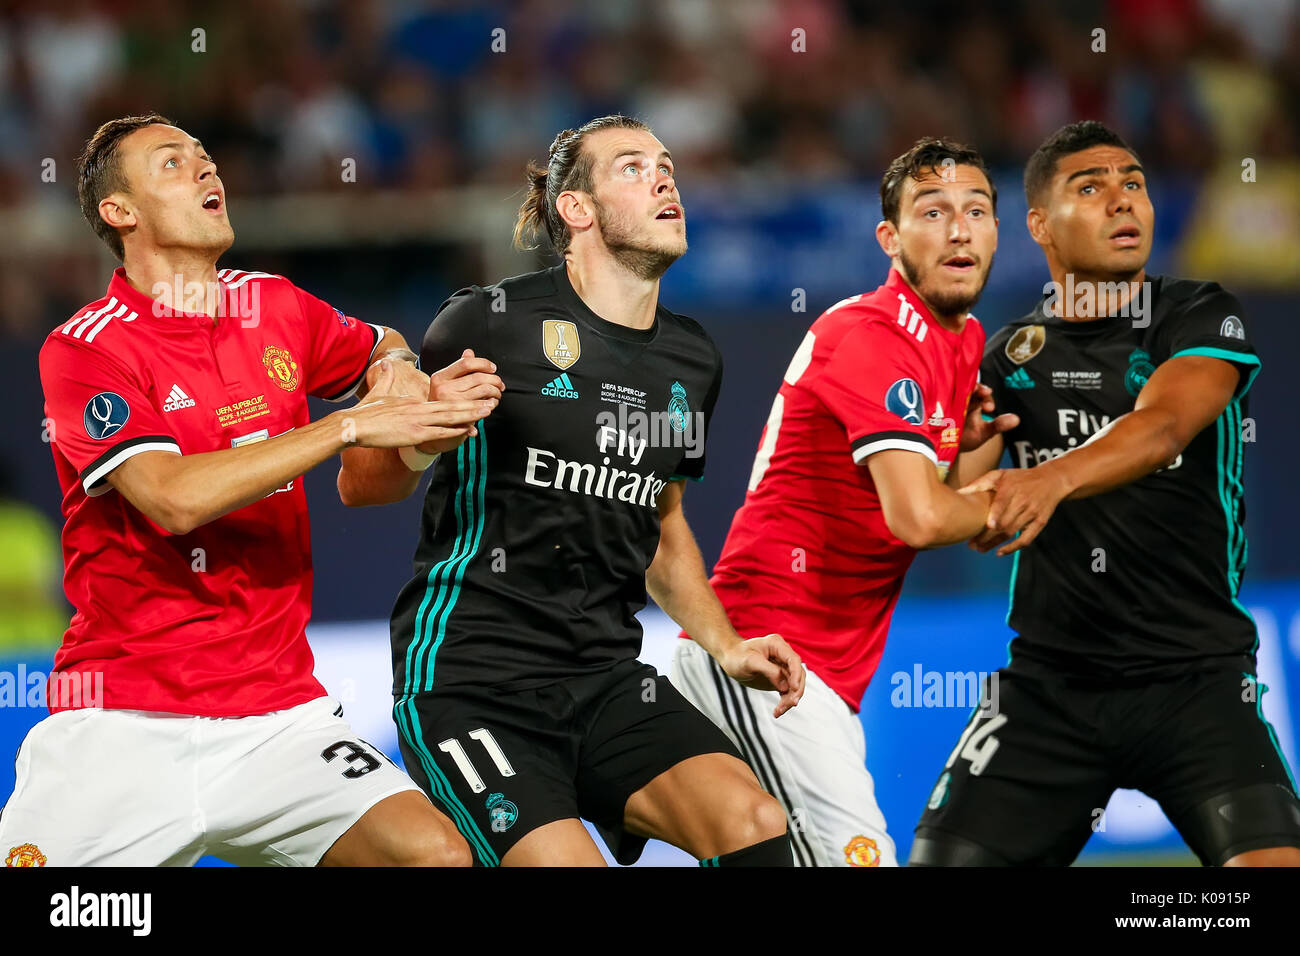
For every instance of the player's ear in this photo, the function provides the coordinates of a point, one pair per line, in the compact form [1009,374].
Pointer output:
[1036,223]
[115,211]
[887,236]
[575,209]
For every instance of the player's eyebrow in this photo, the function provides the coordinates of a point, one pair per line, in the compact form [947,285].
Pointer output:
[197,146]
[640,152]
[1101,170]
[931,190]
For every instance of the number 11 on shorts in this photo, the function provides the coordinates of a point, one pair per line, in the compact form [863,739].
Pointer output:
[484,736]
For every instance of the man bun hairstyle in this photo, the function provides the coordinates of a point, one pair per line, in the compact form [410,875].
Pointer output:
[568,166]
[1071,138]
[927,155]
[99,172]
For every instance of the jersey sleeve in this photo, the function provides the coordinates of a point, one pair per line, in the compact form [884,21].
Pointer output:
[459,324]
[872,384]
[339,351]
[692,464]
[1212,324]
[97,415]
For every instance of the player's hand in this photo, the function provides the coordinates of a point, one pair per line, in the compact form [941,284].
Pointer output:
[767,663]
[1024,499]
[467,378]
[976,430]
[400,422]
[395,378]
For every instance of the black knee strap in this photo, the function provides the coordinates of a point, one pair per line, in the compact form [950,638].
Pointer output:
[933,847]
[1257,817]
[773,852]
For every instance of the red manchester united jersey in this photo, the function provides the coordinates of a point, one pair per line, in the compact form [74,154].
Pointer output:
[809,555]
[210,623]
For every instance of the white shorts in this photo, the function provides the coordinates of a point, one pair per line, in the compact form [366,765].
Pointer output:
[136,788]
[813,760]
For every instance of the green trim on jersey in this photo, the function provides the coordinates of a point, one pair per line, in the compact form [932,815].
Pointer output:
[1229,461]
[407,717]
[1011,599]
[1228,356]
[1272,734]
[444,578]
[443,590]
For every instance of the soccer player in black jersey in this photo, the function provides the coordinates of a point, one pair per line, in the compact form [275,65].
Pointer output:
[1133,663]
[520,702]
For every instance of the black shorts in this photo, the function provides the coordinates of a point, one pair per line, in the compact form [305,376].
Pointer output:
[1031,777]
[503,764]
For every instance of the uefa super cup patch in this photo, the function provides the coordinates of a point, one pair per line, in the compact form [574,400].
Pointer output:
[904,399]
[105,415]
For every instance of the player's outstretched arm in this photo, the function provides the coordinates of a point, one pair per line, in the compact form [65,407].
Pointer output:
[920,510]
[678,584]
[182,492]
[981,439]
[1182,397]
[378,476]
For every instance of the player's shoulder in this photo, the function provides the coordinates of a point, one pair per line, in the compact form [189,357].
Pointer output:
[1020,329]
[106,326]
[865,320]
[238,278]
[685,323]
[1177,297]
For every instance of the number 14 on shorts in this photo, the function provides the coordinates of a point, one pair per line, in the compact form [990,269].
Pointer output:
[484,736]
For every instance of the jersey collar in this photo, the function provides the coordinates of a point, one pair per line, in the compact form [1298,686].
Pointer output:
[602,326]
[148,308]
[897,284]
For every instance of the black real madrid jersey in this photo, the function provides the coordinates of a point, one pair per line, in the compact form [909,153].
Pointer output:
[1142,580]
[537,533]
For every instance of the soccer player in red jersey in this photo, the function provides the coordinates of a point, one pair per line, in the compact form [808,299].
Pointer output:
[185,719]
[848,482]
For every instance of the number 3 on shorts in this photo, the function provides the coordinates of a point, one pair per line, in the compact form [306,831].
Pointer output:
[452,746]
[977,746]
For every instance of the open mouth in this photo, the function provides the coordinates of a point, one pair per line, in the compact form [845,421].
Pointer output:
[672,211]
[1126,235]
[212,201]
[960,263]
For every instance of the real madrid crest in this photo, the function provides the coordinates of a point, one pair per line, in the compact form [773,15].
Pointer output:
[280,367]
[1026,343]
[560,342]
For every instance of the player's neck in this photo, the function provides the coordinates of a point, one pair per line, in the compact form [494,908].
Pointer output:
[1074,296]
[612,292]
[178,280]
[951,323]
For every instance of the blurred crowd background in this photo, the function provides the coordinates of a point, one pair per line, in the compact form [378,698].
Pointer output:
[781,115]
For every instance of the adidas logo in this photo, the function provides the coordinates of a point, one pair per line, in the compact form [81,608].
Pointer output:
[1019,379]
[560,387]
[177,399]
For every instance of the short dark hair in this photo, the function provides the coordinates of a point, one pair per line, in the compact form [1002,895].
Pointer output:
[927,155]
[1071,138]
[99,171]
[568,166]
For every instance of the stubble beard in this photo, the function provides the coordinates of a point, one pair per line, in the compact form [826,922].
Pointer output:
[636,254]
[943,303]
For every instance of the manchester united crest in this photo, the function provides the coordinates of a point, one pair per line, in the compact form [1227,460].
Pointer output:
[560,343]
[862,851]
[29,854]
[281,368]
